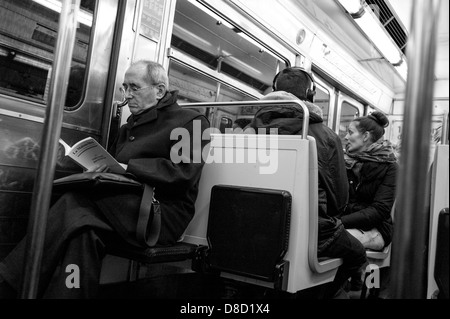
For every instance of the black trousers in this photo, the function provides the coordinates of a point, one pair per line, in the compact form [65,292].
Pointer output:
[354,258]
[77,235]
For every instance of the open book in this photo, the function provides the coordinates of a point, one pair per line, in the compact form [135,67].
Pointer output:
[89,153]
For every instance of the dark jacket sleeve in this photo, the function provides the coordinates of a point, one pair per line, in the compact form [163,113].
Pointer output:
[380,208]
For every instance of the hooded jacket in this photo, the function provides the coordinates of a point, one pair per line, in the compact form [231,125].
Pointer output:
[333,185]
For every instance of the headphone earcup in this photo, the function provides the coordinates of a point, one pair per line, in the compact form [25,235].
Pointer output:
[274,86]
[309,92]
[310,95]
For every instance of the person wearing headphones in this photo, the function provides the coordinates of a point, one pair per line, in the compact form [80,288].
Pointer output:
[333,240]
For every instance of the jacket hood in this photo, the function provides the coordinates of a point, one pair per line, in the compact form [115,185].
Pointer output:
[314,109]
[287,119]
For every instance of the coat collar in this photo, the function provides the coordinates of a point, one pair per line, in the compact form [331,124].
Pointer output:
[152,114]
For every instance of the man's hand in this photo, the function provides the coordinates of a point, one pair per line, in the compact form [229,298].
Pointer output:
[98,169]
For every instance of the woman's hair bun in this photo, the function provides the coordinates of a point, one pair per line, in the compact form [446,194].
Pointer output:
[379,118]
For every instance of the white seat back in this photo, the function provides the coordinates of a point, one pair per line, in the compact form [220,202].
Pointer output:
[254,161]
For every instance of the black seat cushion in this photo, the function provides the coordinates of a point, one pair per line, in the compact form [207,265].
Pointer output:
[178,252]
[248,230]
[442,255]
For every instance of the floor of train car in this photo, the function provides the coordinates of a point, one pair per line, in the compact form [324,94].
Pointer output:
[169,281]
[165,281]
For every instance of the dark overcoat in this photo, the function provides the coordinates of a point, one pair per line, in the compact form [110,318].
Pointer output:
[81,223]
[145,144]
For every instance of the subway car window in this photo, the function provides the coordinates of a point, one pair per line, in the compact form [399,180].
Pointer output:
[348,113]
[27,49]
[223,49]
[192,86]
[322,100]
[225,123]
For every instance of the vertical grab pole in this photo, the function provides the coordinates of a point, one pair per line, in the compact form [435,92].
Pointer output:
[444,129]
[42,189]
[409,235]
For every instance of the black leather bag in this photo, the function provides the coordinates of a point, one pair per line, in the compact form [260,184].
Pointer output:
[149,221]
[96,180]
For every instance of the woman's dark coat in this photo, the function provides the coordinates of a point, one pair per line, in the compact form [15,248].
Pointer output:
[371,199]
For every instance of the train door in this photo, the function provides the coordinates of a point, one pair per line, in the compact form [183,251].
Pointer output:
[325,98]
[28,33]
[346,111]
[143,34]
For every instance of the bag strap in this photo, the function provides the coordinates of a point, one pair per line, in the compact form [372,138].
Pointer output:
[145,215]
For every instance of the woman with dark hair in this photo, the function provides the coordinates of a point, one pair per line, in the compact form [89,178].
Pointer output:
[371,171]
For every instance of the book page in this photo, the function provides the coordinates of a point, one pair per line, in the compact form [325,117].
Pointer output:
[66,147]
[89,153]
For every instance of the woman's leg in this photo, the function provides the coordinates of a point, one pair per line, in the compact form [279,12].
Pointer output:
[371,239]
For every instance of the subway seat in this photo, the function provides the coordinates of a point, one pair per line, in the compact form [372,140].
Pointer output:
[252,161]
[288,164]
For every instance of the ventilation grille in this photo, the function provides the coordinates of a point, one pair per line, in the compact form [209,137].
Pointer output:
[391,23]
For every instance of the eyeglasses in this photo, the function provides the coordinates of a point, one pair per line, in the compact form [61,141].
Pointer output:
[133,89]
